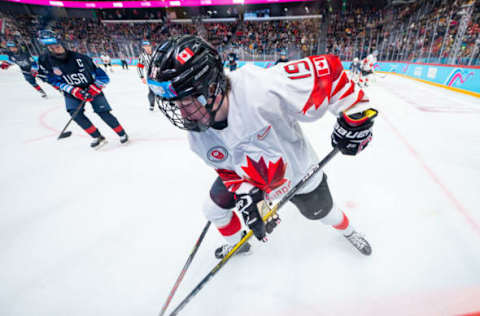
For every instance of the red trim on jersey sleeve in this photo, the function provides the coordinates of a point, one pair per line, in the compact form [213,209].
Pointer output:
[231,228]
[230,179]
[140,66]
[361,94]
[343,81]
[349,91]
[263,177]
[336,67]
[327,69]
[322,83]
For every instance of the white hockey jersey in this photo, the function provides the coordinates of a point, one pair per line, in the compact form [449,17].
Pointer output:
[106,59]
[263,144]
[368,62]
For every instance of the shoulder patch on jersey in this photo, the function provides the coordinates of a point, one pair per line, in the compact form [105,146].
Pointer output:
[320,64]
[57,71]
[322,85]
[217,154]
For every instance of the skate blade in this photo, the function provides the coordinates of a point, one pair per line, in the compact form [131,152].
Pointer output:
[103,143]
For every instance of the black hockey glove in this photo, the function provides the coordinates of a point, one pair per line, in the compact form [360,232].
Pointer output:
[247,206]
[352,133]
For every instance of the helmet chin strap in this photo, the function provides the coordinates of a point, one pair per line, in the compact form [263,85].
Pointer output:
[214,113]
[197,126]
[222,87]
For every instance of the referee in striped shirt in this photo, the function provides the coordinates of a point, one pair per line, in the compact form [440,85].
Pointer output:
[143,62]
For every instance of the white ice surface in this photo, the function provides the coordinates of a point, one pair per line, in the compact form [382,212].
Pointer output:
[106,233]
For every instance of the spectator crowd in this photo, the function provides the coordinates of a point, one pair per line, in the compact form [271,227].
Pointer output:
[420,31]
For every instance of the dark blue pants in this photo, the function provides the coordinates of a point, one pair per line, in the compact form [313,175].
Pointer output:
[30,79]
[101,107]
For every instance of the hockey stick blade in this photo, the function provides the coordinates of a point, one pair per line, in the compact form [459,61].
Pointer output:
[64,135]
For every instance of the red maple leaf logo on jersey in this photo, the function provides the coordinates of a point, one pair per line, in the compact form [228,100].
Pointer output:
[263,177]
[230,179]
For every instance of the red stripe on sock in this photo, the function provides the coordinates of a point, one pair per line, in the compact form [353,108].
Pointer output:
[37,87]
[231,228]
[91,129]
[344,224]
[118,129]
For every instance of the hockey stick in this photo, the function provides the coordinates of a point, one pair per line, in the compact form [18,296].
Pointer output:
[184,269]
[65,134]
[271,213]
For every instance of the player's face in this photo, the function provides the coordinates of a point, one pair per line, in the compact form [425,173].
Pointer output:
[56,49]
[148,49]
[13,49]
[193,109]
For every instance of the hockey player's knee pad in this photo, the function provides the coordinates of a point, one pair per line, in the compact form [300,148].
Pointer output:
[221,196]
[316,204]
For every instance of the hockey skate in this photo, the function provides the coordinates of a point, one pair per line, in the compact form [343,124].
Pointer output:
[359,242]
[223,250]
[43,94]
[124,138]
[98,142]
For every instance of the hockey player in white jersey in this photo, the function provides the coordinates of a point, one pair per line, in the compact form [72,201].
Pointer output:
[355,69]
[367,67]
[245,126]
[107,62]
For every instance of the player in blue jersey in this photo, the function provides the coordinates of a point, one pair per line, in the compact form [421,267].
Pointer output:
[81,80]
[232,61]
[283,58]
[27,65]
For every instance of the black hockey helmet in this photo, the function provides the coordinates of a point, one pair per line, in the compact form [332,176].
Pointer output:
[187,67]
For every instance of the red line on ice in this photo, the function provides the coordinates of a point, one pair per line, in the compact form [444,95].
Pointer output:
[55,132]
[41,120]
[435,178]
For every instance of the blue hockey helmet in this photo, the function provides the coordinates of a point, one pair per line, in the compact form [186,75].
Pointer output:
[48,37]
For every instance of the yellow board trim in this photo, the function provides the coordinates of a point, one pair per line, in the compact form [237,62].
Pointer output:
[474,94]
